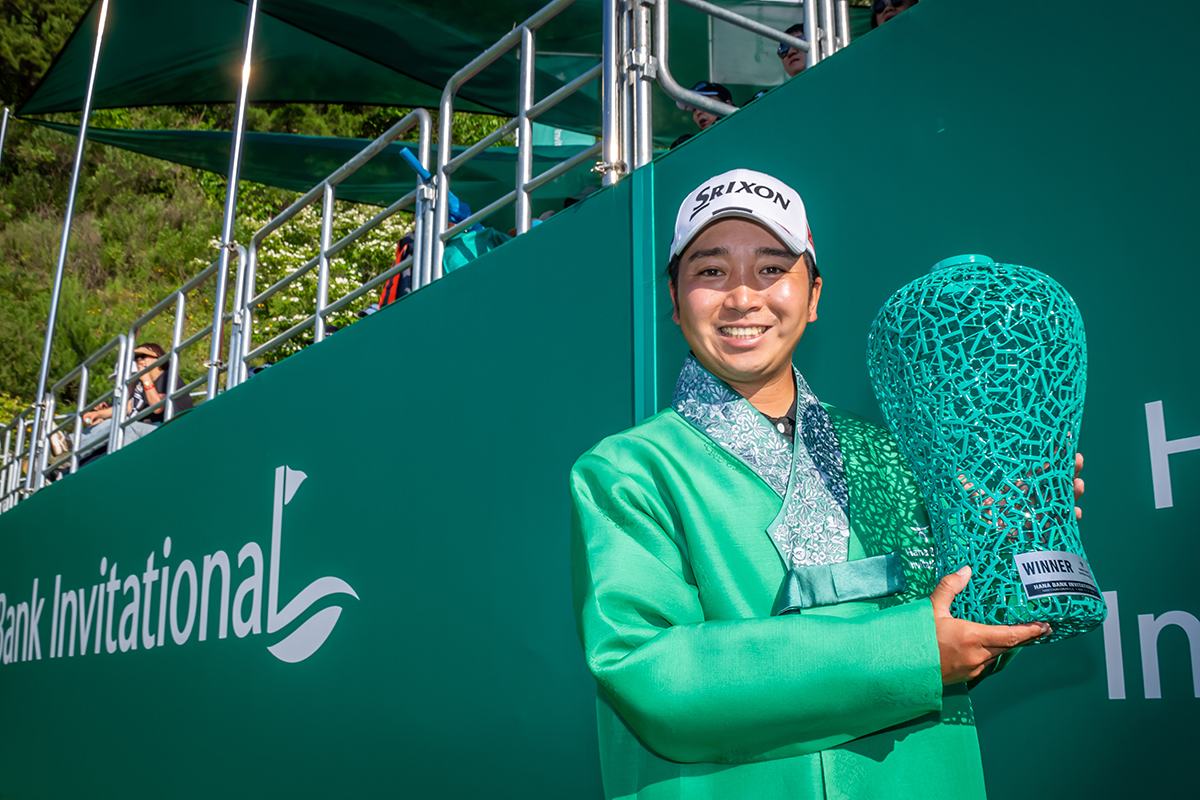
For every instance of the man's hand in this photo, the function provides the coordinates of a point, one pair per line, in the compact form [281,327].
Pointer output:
[994,510]
[968,649]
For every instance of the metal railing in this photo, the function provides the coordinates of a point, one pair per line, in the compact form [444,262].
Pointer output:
[248,299]
[635,56]
[176,302]
[832,32]
[173,309]
[528,109]
[15,459]
[115,397]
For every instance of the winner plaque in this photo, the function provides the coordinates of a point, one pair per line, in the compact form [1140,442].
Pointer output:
[980,370]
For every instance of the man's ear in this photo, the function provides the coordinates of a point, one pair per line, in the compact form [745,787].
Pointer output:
[674,303]
[814,298]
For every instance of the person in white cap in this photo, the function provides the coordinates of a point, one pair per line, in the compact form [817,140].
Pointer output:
[753,579]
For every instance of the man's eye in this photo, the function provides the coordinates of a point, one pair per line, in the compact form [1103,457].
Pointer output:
[710,272]
[773,270]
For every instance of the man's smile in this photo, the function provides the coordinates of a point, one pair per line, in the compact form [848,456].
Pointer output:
[743,331]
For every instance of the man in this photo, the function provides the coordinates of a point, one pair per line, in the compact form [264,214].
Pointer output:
[704,119]
[794,61]
[150,389]
[752,571]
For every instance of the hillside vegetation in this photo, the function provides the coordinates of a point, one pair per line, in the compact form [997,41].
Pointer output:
[143,227]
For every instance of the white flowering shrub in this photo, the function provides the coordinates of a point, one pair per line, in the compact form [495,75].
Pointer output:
[293,245]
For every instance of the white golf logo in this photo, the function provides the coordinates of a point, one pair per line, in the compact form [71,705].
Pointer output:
[119,614]
[308,638]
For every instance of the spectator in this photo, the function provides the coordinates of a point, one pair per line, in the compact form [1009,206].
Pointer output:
[470,245]
[883,10]
[794,61]
[150,389]
[704,119]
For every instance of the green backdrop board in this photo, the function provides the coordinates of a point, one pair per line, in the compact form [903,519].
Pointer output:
[435,438]
[962,128]
[455,672]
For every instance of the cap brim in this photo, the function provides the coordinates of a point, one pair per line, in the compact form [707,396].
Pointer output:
[795,245]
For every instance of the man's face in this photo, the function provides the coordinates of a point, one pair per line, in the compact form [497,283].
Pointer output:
[742,300]
[703,119]
[794,62]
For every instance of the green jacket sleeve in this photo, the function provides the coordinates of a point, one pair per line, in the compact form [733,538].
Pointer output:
[727,691]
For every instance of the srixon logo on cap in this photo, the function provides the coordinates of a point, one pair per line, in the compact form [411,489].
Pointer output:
[708,194]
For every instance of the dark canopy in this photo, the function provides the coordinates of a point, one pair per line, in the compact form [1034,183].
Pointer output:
[390,52]
[189,51]
[298,163]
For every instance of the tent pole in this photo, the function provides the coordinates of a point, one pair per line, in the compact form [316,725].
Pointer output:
[614,76]
[811,33]
[843,23]
[3,133]
[442,209]
[426,194]
[525,131]
[43,373]
[828,29]
[643,74]
[214,363]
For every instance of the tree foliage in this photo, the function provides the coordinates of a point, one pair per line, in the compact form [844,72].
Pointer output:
[144,227]
[31,32]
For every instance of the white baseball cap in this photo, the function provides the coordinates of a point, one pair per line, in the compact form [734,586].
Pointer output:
[745,193]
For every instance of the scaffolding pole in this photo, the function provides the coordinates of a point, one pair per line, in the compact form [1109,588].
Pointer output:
[231,194]
[44,372]
[3,133]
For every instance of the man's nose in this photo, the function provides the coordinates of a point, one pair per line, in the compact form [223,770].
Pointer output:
[743,298]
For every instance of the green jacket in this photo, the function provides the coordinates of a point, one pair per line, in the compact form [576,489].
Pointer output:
[701,693]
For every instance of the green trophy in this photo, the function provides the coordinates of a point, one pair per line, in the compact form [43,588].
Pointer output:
[980,370]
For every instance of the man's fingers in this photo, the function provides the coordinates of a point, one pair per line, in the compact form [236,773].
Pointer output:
[947,588]
[999,639]
[1078,464]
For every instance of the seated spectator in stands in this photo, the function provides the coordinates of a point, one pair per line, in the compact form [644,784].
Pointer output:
[883,10]
[399,284]
[470,245]
[794,61]
[704,119]
[151,388]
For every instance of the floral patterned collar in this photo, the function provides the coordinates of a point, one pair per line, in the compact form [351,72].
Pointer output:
[808,473]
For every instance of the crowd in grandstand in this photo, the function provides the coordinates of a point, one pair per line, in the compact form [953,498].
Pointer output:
[793,60]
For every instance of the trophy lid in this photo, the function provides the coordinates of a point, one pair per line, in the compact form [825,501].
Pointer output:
[968,258]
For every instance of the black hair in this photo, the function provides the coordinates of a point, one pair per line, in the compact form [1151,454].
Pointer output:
[153,347]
